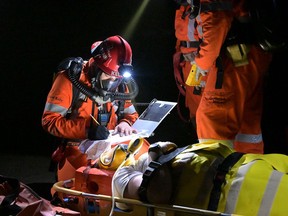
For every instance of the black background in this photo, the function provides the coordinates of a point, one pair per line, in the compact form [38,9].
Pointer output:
[37,35]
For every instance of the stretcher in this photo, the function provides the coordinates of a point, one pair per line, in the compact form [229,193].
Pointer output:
[90,192]
[92,204]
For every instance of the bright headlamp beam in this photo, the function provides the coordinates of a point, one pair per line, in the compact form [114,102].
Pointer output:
[135,20]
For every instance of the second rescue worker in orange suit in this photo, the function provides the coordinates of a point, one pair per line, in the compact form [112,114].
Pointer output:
[186,48]
[91,119]
[230,109]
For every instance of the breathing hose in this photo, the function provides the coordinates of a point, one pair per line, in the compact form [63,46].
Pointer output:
[99,94]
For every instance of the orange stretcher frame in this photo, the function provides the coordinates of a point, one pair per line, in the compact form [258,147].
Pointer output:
[89,204]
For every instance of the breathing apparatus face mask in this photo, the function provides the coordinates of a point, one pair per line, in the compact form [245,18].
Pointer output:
[106,90]
[109,83]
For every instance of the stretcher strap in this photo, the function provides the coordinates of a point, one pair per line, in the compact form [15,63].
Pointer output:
[219,179]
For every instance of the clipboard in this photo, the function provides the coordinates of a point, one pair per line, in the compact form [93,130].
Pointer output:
[152,116]
[147,122]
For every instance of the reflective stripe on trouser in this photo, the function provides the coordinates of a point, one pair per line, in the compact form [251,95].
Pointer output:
[252,143]
[233,109]
[256,188]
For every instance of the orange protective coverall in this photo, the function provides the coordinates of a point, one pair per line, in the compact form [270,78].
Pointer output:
[183,33]
[75,128]
[232,113]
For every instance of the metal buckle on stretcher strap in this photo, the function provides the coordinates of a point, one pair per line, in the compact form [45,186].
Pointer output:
[153,165]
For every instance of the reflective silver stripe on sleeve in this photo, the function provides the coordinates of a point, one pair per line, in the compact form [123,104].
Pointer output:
[249,138]
[235,187]
[129,110]
[191,31]
[270,192]
[55,108]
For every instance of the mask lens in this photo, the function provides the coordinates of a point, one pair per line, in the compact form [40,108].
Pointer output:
[110,85]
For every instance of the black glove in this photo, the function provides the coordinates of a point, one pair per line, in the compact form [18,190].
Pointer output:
[98,132]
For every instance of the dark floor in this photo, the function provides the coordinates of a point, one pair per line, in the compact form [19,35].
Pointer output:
[29,169]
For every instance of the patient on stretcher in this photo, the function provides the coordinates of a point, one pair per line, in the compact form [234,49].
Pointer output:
[206,176]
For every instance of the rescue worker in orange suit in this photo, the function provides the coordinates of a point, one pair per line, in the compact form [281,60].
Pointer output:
[234,66]
[103,102]
[186,45]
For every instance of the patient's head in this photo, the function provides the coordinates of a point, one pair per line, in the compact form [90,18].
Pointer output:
[159,191]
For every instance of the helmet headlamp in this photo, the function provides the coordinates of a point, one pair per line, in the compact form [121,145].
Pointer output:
[125,68]
[125,71]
